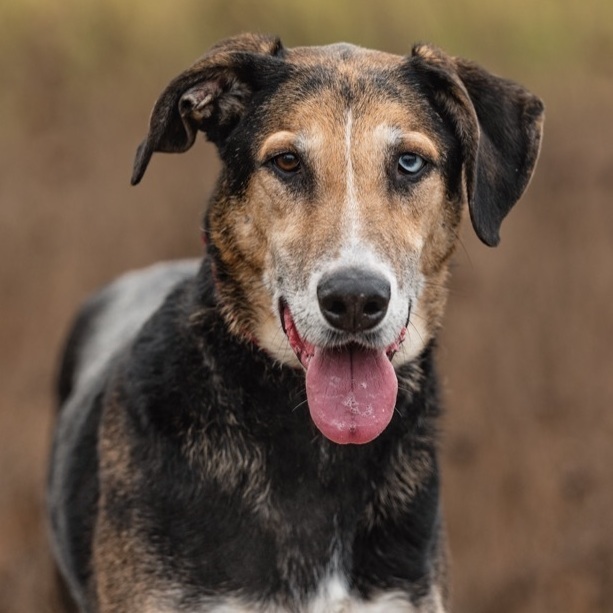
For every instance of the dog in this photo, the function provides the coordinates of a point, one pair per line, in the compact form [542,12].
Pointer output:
[257,431]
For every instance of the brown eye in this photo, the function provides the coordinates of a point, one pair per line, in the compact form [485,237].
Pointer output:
[288,163]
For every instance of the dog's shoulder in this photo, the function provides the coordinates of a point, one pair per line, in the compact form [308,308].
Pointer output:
[106,325]
[111,318]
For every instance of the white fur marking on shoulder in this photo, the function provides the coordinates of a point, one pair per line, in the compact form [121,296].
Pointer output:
[132,299]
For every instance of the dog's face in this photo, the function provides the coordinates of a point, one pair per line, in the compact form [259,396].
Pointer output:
[345,174]
[346,195]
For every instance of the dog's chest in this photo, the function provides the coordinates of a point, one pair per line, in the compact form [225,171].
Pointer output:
[297,537]
[332,596]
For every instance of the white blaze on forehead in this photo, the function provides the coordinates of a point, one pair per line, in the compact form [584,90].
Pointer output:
[382,139]
[351,199]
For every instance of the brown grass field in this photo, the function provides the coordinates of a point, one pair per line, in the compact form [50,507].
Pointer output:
[527,351]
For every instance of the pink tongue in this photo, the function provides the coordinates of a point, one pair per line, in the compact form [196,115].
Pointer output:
[351,393]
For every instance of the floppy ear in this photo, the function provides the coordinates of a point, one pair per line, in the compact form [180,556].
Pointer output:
[499,126]
[210,96]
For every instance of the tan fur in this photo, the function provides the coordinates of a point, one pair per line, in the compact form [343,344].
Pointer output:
[119,556]
[265,227]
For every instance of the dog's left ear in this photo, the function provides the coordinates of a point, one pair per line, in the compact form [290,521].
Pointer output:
[499,126]
[210,96]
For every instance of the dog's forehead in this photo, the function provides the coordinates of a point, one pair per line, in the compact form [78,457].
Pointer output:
[347,67]
[343,56]
[325,83]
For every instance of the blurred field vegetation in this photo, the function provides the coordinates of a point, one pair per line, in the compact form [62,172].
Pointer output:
[526,353]
[95,37]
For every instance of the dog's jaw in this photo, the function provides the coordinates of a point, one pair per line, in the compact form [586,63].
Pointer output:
[351,389]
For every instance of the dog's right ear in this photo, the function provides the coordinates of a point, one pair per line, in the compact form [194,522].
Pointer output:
[210,96]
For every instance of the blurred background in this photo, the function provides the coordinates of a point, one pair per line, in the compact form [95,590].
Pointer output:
[526,355]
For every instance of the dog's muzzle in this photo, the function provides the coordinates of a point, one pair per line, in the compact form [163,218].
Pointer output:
[351,384]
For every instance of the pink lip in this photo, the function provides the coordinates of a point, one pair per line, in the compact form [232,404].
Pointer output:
[304,351]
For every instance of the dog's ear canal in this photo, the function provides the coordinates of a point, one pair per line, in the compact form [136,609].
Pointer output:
[211,96]
[498,124]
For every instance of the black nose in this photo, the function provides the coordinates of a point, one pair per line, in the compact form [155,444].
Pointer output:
[352,299]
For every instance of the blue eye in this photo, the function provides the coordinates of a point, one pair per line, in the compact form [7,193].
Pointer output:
[411,164]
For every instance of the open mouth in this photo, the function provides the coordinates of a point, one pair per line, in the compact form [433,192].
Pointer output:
[351,390]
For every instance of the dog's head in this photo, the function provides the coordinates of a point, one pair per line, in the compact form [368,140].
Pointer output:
[345,175]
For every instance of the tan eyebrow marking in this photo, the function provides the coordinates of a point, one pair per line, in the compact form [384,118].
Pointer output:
[413,142]
[284,140]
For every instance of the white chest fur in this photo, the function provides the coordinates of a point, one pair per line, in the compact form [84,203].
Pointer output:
[332,597]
